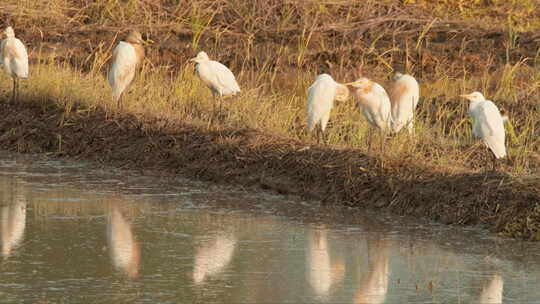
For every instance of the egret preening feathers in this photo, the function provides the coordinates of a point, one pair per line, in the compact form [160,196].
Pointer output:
[372,99]
[14,59]
[127,55]
[219,79]
[321,95]
[374,102]
[404,97]
[488,124]
[342,92]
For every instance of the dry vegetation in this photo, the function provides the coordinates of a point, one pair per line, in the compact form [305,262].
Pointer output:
[277,47]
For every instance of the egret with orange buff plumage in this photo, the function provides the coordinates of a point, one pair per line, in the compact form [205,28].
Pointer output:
[127,55]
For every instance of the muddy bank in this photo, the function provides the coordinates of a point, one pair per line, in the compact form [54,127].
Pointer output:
[247,157]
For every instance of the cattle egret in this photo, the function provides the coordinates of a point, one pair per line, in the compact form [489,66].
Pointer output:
[404,97]
[219,79]
[321,95]
[14,59]
[375,104]
[488,124]
[127,56]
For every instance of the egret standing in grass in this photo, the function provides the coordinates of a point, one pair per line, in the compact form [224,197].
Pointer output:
[127,56]
[321,95]
[404,97]
[14,58]
[488,124]
[374,102]
[219,79]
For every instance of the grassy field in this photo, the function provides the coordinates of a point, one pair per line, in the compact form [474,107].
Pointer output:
[276,48]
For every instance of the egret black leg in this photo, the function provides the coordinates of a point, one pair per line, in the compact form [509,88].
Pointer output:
[383,137]
[220,102]
[214,106]
[494,159]
[118,103]
[16,89]
[14,93]
[369,140]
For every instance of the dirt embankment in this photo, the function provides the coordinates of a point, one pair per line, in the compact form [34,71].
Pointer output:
[248,157]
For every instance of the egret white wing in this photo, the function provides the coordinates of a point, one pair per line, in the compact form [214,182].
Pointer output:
[320,99]
[404,99]
[224,78]
[384,115]
[122,68]
[21,59]
[491,128]
[493,125]
[14,57]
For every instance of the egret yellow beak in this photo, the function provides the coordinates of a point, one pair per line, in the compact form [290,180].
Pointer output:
[465,95]
[147,41]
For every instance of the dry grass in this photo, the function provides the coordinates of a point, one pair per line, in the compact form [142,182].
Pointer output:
[276,48]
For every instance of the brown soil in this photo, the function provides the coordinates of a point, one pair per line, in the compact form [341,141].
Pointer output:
[338,38]
[175,50]
[337,176]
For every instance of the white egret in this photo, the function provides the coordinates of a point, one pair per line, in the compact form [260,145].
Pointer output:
[127,55]
[321,95]
[219,79]
[375,104]
[488,124]
[14,58]
[404,97]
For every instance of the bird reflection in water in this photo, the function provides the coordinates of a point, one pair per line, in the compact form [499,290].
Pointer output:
[492,291]
[213,256]
[13,224]
[374,287]
[124,249]
[322,274]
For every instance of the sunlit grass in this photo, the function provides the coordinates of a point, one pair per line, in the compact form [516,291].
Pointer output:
[275,104]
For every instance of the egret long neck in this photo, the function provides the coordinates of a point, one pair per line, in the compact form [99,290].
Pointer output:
[474,104]
[139,51]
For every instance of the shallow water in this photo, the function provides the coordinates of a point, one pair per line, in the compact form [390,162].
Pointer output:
[73,233]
